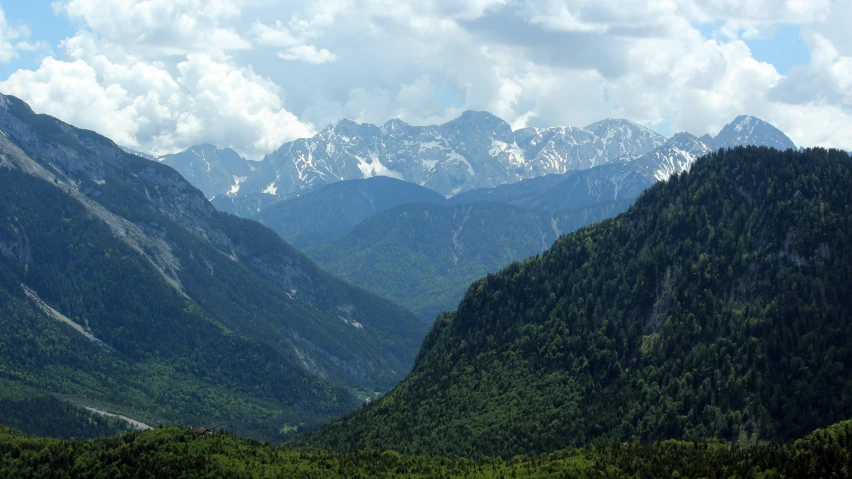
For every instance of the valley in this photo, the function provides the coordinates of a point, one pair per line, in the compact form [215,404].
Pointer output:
[375,232]
[641,300]
[175,312]
[715,307]
[425,239]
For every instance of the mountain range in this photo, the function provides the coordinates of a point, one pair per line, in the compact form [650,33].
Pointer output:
[685,288]
[407,243]
[717,307]
[124,290]
[476,150]
[210,169]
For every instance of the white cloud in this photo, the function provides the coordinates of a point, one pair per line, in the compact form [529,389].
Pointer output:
[750,19]
[307,53]
[296,48]
[172,72]
[70,91]
[144,105]
[828,77]
[813,103]
[278,36]
[161,27]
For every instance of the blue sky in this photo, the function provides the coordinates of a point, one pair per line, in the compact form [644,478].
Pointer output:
[44,24]
[162,75]
[783,48]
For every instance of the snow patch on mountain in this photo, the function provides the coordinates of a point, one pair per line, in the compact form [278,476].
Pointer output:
[235,188]
[514,154]
[210,169]
[375,167]
[453,156]
[429,164]
[429,145]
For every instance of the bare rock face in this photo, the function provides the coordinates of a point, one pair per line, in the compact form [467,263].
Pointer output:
[214,171]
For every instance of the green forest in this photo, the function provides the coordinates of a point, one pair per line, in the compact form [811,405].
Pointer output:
[705,332]
[161,357]
[44,415]
[332,208]
[716,308]
[174,313]
[180,453]
[424,256]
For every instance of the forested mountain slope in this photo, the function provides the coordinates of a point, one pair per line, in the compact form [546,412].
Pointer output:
[510,193]
[424,256]
[182,314]
[337,206]
[718,306]
[147,350]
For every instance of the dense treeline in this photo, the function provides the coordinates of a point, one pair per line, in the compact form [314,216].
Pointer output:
[717,307]
[180,453]
[45,415]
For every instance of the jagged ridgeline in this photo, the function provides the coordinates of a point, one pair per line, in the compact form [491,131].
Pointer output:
[122,289]
[718,306]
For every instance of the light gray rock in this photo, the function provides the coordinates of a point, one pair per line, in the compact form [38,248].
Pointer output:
[476,150]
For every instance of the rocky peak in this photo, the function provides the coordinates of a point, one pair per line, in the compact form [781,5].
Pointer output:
[479,122]
[394,125]
[750,130]
[624,138]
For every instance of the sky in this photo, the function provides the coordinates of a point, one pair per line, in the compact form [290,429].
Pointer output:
[163,75]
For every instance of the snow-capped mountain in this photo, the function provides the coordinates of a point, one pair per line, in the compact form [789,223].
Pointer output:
[562,149]
[676,155]
[680,151]
[214,171]
[623,138]
[748,130]
[628,176]
[476,150]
